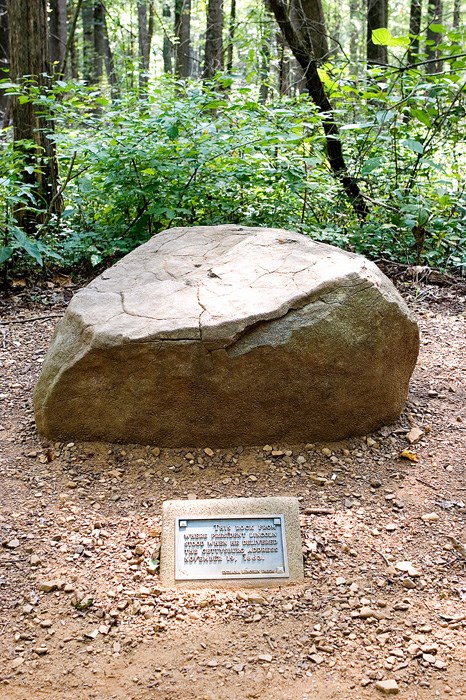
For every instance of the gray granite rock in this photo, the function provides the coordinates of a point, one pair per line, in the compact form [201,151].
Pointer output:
[227,335]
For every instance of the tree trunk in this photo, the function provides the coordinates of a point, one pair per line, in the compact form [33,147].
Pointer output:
[183,38]
[109,61]
[307,18]
[456,14]
[167,49]
[145,32]
[299,48]
[29,58]
[231,36]
[435,13]
[87,16]
[266,52]
[213,55]
[99,40]
[415,18]
[57,31]
[70,53]
[4,53]
[377,18]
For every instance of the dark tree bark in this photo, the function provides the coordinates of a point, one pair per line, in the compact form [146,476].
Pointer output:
[99,40]
[456,14]
[377,18]
[315,88]
[109,61]
[266,53]
[87,17]
[57,31]
[435,13]
[415,17]
[29,58]
[183,38]
[213,54]
[307,18]
[167,49]
[231,36]
[145,33]
[4,53]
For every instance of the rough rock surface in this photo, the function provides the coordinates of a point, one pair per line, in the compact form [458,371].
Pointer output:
[227,335]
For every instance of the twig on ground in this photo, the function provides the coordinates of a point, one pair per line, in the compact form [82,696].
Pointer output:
[318,511]
[381,555]
[30,320]
[426,483]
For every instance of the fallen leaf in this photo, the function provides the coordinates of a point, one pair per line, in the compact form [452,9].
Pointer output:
[409,454]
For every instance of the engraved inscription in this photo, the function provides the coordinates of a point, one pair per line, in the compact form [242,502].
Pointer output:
[230,547]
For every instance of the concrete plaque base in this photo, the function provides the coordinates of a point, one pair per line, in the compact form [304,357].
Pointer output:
[231,542]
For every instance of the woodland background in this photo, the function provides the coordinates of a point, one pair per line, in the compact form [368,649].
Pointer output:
[341,120]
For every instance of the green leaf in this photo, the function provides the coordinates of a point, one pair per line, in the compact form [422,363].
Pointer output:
[383,37]
[384,116]
[413,145]
[172,131]
[422,116]
[215,104]
[438,28]
[29,246]
[5,253]
[370,165]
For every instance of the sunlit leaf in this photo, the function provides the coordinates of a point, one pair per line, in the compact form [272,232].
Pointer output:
[383,37]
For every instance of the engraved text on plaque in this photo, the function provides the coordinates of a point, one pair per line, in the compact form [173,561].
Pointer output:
[230,547]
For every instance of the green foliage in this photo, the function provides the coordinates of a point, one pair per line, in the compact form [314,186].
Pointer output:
[190,155]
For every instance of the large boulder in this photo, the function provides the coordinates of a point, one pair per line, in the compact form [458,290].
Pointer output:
[226,336]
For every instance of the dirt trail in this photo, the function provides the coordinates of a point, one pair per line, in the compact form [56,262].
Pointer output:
[82,613]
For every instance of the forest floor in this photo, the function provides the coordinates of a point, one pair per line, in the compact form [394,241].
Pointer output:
[82,613]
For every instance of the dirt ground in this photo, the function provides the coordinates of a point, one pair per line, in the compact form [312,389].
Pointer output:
[82,613]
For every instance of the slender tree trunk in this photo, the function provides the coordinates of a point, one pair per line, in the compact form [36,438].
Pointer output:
[435,13]
[109,61]
[415,18]
[456,14]
[307,18]
[213,55]
[99,40]
[57,31]
[167,49]
[4,53]
[29,58]
[70,54]
[145,32]
[87,16]
[231,36]
[377,18]
[183,38]
[299,48]
[266,52]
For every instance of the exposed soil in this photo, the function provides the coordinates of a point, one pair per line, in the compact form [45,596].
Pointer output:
[82,613]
